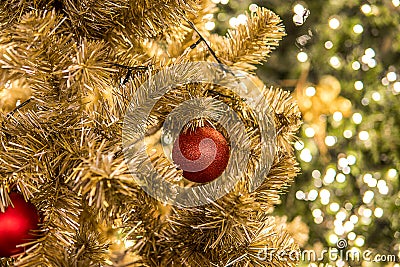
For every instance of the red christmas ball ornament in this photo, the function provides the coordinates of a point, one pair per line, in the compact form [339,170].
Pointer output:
[202,154]
[15,225]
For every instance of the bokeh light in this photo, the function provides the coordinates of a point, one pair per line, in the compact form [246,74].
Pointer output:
[302,57]
[334,23]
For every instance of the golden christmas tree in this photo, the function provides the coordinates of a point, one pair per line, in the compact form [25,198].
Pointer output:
[82,145]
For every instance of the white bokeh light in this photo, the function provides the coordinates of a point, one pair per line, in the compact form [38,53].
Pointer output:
[367,177]
[385,81]
[312,195]
[371,63]
[300,195]
[367,213]
[384,190]
[233,22]
[339,230]
[305,155]
[310,91]
[209,25]
[299,145]
[391,76]
[376,96]
[334,207]
[359,241]
[325,196]
[335,62]
[298,9]
[368,197]
[370,52]
[348,226]
[365,59]
[356,65]
[253,7]
[309,131]
[354,219]
[330,140]
[334,23]
[351,236]
[341,215]
[302,57]
[382,187]
[396,87]
[328,179]
[372,182]
[343,162]
[319,220]
[316,174]
[333,238]
[358,29]
[340,178]
[351,159]
[317,213]
[392,173]
[340,263]
[366,9]
[378,212]
[337,116]
[347,133]
[363,135]
[328,44]
[242,19]
[357,118]
[358,85]
[330,172]
[346,170]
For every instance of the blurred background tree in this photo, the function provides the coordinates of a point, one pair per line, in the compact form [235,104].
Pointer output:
[341,58]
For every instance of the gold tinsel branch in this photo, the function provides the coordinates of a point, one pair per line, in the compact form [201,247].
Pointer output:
[13,10]
[63,149]
[142,19]
[252,42]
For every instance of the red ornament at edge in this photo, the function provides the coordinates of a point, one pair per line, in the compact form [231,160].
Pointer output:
[208,159]
[15,225]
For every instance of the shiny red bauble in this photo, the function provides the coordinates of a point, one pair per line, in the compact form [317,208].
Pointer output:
[202,154]
[15,225]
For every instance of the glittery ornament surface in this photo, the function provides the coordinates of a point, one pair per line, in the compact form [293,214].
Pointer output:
[203,154]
